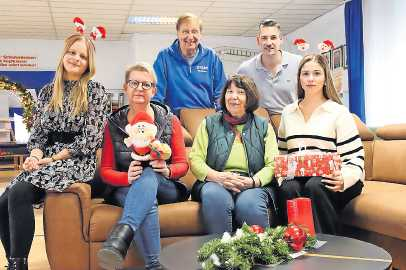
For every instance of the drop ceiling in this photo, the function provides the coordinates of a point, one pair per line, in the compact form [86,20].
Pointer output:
[52,19]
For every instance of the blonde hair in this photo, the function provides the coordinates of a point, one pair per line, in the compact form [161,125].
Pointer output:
[329,90]
[141,66]
[78,96]
[189,17]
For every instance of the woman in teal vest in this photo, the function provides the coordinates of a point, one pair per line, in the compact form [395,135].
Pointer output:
[232,158]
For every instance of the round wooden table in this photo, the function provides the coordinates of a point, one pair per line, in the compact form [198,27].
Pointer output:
[339,253]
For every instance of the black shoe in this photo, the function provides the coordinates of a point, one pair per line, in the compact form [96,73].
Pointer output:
[114,249]
[17,264]
[158,267]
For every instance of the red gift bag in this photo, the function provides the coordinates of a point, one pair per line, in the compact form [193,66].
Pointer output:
[300,213]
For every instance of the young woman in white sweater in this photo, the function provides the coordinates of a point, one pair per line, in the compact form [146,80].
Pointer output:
[318,121]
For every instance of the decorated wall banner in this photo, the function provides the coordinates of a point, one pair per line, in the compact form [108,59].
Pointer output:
[18,62]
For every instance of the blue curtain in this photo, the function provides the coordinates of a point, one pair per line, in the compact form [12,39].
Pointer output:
[355,57]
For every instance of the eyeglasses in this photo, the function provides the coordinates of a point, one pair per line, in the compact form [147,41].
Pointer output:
[144,85]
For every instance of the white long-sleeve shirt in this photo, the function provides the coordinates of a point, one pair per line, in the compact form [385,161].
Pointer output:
[330,128]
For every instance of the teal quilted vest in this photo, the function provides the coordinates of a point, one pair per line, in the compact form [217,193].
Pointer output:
[221,138]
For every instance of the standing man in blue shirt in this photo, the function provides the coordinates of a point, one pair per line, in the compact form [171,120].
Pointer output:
[190,75]
[274,71]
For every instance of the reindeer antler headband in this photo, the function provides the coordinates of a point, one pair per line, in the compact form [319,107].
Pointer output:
[97,31]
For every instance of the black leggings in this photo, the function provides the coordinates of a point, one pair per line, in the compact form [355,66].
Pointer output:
[17,223]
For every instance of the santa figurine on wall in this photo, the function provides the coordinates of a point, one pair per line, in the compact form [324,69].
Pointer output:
[325,46]
[301,44]
[141,138]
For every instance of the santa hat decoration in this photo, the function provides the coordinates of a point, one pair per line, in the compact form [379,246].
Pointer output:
[142,117]
[79,24]
[142,125]
[98,32]
[325,46]
[301,44]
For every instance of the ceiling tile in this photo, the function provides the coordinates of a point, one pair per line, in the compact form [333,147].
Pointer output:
[53,18]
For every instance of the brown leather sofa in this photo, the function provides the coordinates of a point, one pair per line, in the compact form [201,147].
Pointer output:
[378,215]
[76,226]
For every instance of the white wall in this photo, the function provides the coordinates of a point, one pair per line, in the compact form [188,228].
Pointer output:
[384,61]
[111,60]
[147,46]
[111,56]
[329,26]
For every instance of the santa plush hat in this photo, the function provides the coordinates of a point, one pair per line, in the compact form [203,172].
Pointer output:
[301,44]
[145,122]
[325,46]
[142,117]
[79,24]
[98,32]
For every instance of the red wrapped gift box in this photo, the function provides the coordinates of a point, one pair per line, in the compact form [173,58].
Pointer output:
[306,164]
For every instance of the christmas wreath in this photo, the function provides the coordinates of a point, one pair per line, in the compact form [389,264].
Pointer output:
[26,99]
[252,245]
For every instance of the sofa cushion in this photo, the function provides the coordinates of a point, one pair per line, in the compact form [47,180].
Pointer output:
[389,161]
[368,150]
[187,137]
[380,208]
[364,132]
[191,118]
[392,132]
[189,179]
[176,219]
[262,112]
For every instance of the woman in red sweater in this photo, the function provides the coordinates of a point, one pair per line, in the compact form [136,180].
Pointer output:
[140,186]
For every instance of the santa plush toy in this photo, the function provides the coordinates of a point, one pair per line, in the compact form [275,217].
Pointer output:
[98,32]
[301,44]
[141,139]
[325,46]
[79,24]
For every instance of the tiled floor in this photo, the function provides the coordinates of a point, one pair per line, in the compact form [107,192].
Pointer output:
[37,258]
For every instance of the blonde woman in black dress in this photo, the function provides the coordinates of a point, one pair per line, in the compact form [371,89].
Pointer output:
[68,127]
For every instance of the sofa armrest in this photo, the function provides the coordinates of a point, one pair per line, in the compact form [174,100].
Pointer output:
[83,192]
[66,227]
